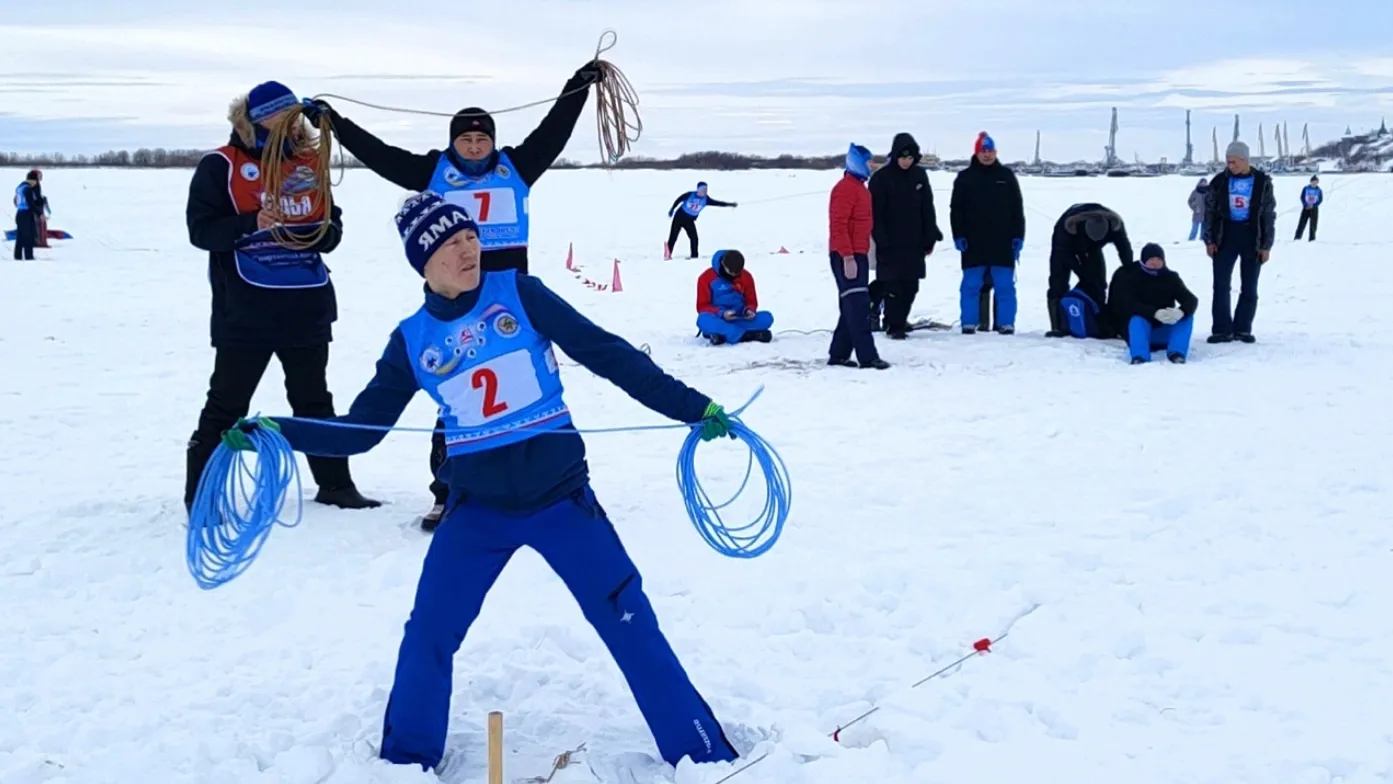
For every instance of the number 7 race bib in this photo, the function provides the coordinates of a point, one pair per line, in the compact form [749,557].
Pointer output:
[487,205]
[494,389]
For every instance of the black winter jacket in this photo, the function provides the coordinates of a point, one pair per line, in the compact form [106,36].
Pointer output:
[1262,213]
[1073,253]
[532,158]
[904,223]
[987,210]
[1136,292]
[247,316]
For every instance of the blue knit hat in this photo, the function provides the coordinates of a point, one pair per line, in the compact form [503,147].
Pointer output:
[267,98]
[425,222]
[858,162]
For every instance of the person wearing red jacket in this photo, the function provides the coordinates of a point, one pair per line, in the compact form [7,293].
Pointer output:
[849,223]
[727,305]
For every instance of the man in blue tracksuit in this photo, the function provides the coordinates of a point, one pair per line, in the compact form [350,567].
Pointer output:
[684,212]
[1311,197]
[728,303]
[28,206]
[481,347]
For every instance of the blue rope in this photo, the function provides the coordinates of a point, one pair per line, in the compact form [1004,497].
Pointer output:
[239,500]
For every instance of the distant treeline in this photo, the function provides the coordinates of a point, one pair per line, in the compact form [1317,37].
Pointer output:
[161,158]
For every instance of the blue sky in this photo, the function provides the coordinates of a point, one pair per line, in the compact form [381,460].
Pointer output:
[763,76]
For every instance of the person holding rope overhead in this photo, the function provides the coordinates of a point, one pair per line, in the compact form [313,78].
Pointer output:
[481,347]
[271,291]
[491,184]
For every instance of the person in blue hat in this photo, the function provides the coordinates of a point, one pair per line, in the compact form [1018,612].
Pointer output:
[684,211]
[728,303]
[481,347]
[268,300]
[1153,307]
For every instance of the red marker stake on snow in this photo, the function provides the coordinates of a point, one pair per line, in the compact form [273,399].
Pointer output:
[983,645]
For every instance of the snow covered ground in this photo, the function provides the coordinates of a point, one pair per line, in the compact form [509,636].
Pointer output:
[1205,548]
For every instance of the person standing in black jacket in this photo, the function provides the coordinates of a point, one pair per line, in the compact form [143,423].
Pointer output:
[904,226]
[1076,249]
[268,300]
[491,184]
[1152,307]
[988,219]
[1240,225]
[684,212]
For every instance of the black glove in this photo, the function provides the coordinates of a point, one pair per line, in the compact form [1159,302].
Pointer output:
[314,108]
[589,73]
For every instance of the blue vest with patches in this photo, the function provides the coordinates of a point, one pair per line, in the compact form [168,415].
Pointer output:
[725,296]
[493,376]
[694,204]
[21,197]
[497,201]
[1310,197]
[264,263]
[1240,198]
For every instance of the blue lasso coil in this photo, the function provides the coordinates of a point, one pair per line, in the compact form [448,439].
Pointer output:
[240,498]
[239,501]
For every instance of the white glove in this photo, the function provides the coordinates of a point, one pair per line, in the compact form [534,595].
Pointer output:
[1169,315]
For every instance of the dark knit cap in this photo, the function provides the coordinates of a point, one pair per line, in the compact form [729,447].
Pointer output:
[425,222]
[472,119]
[267,98]
[1151,251]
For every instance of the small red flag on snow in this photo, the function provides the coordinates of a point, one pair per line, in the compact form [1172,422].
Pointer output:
[783,250]
[571,256]
[617,285]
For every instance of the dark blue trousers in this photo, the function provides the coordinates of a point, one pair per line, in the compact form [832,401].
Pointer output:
[853,330]
[467,553]
[1239,248]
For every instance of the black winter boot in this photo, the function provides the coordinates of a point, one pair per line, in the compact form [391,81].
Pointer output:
[345,498]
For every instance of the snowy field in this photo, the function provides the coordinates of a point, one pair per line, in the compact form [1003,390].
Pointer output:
[1193,562]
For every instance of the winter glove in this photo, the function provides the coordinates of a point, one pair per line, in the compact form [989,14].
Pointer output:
[314,108]
[1169,315]
[590,73]
[1016,246]
[960,244]
[238,437]
[715,423]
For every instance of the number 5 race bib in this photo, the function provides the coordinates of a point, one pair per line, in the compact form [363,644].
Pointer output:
[504,385]
[487,206]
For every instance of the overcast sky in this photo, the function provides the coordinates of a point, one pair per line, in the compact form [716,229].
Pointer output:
[762,76]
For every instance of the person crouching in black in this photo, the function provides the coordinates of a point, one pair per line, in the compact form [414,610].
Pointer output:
[267,299]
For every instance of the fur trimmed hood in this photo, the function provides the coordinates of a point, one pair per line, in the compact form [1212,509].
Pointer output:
[1074,222]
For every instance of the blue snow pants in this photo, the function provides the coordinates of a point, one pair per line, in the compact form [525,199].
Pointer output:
[711,324]
[853,330]
[1003,283]
[1144,338]
[467,553]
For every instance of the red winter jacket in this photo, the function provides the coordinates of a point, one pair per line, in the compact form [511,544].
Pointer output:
[745,284]
[850,218]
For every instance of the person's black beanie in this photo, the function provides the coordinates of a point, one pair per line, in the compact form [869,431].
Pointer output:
[472,119]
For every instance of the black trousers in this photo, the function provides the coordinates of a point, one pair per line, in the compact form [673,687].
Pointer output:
[681,221]
[236,374]
[898,296]
[26,235]
[1312,216]
[984,304]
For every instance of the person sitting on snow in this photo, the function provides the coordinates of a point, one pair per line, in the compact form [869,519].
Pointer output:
[727,305]
[1142,301]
